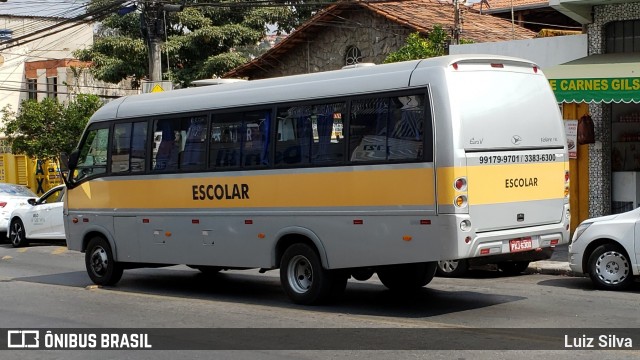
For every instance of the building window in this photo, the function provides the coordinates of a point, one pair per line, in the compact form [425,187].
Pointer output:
[622,36]
[353,56]
[32,89]
[52,87]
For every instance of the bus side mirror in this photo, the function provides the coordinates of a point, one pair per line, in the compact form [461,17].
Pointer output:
[64,161]
[73,159]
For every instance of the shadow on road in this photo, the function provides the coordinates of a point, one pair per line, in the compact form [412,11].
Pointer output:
[366,298]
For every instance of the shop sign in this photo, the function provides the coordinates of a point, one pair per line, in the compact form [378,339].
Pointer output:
[571,130]
[597,89]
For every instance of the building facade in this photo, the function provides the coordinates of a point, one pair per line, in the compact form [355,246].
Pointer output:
[613,29]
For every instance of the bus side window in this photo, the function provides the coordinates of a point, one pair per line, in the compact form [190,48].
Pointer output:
[255,143]
[294,130]
[224,150]
[193,156]
[139,146]
[328,144]
[121,147]
[384,129]
[368,129]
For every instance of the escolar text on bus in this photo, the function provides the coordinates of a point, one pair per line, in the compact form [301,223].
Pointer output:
[520,182]
[220,192]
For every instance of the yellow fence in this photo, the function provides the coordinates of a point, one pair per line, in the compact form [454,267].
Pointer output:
[37,175]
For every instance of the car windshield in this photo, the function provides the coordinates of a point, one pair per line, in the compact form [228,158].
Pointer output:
[15,190]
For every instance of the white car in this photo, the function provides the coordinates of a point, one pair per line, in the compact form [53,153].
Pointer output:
[12,196]
[607,248]
[40,219]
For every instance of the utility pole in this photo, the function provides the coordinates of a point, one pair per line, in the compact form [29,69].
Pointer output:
[153,27]
[456,23]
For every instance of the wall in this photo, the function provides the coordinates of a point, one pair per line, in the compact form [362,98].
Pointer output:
[545,52]
[374,35]
[58,45]
[600,152]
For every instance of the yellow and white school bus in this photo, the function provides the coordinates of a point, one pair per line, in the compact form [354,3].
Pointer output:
[445,158]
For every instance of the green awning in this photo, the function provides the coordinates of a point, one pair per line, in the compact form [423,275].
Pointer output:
[597,78]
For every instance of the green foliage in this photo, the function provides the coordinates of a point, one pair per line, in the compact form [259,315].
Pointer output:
[201,41]
[44,129]
[417,47]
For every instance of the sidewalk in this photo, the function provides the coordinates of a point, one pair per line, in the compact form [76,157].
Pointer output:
[558,264]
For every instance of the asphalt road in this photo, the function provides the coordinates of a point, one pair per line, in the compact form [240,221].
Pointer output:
[46,286]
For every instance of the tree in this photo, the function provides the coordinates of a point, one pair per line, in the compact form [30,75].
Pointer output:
[417,47]
[201,41]
[44,129]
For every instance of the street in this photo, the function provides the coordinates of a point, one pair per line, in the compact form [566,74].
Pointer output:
[46,286]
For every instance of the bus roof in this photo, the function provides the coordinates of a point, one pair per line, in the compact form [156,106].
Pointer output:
[358,80]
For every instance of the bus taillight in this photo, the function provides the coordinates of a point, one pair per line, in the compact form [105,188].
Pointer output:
[460,184]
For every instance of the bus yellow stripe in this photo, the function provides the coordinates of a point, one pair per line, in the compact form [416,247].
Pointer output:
[403,187]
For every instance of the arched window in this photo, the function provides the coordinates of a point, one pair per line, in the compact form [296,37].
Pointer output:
[622,36]
[353,56]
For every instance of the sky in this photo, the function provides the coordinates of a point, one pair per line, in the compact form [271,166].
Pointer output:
[53,8]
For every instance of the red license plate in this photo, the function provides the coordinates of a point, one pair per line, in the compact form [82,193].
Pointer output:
[523,244]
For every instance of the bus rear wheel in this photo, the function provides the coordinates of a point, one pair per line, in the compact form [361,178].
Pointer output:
[304,279]
[100,263]
[407,277]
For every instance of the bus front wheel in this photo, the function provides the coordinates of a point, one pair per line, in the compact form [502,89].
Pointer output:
[407,277]
[99,260]
[304,279]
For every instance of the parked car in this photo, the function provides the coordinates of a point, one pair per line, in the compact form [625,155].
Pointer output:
[607,249]
[509,264]
[39,219]
[12,196]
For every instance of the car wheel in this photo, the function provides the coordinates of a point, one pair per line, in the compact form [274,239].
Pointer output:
[609,268]
[16,234]
[304,279]
[452,268]
[407,277]
[513,267]
[100,264]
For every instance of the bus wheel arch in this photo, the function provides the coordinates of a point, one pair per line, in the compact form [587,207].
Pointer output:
[288,237]
[100,262]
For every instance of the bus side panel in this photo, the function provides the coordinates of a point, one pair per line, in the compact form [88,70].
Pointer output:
[232,220]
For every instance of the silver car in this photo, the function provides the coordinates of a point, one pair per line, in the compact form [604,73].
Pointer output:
[12,196]
[607,248]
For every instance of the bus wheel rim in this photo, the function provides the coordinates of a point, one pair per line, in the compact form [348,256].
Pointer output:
[99,261]
[300,274]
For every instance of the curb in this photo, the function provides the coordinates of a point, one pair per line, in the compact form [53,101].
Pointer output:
[552,268]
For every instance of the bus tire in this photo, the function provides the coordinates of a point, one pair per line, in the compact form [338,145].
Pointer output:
[513,267]
[100,264]
[304,279]
[609,268]
[407,277]
[452,268]
[16,234]
[207,270]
